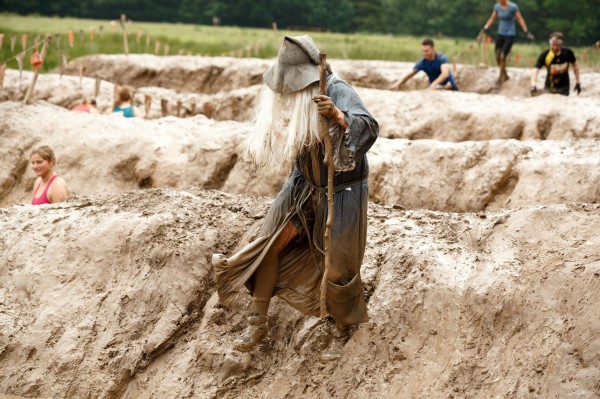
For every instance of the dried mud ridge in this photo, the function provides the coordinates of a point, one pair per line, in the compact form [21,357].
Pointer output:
[214,74]
[495,304]
[99,154]
[408,114]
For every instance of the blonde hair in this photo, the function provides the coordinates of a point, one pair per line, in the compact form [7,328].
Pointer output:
[45,152]
[284,126]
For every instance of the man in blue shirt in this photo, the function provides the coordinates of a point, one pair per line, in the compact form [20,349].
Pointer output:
[506,11]
[435,65]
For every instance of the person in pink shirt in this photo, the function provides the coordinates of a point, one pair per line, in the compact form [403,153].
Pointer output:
[49,188]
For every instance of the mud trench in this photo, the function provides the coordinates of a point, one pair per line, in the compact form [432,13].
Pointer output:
[482,269]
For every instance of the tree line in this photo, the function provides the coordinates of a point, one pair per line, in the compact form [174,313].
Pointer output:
[579,20]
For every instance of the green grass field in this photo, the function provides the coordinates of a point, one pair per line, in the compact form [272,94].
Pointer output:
[240,42]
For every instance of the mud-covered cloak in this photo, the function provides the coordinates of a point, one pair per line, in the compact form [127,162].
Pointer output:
[301,263]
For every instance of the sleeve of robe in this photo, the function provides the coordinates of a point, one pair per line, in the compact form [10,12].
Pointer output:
[362,131]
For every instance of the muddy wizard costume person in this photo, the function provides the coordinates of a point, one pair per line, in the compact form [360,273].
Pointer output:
[286,259]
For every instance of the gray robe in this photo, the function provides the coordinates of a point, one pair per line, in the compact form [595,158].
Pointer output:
[301,262]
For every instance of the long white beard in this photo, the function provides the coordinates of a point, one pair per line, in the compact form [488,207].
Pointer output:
[284,126]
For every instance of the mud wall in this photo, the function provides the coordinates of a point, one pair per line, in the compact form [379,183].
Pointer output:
[461,305]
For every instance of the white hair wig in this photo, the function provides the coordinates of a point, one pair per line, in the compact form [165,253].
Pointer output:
[283,127]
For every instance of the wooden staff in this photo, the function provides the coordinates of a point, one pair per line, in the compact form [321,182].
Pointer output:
[29,93]
[324,133]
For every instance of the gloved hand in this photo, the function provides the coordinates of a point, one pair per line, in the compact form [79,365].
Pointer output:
[530,35]
[533,89]
[578,88]
[483,30]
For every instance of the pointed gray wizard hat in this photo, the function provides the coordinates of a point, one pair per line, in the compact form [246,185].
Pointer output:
[297,65]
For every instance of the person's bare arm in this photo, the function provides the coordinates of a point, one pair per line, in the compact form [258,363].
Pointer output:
[58,191]
[443,76]
[490,21]
[406,77]
[576,72]
[521,21]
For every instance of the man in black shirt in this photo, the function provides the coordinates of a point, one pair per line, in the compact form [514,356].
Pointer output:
[556,60]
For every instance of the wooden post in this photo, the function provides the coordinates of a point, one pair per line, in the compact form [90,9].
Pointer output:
[324,133]
[97,87]
[29,93]
[179,106]
[147,104]
[2,71]
[63,63]
[116,90]
[164,107]
[125,41]
[193,108]
[81,71]
[20,57]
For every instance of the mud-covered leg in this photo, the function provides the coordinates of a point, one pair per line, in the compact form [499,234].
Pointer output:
[339,335]
[265,279]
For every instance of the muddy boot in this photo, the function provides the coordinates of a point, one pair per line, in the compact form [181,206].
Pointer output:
[335,349]
[258,327]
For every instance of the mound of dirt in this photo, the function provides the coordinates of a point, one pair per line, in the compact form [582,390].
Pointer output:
[182,73]
[412,115]
[100,153]
[66,92]
[474,176]
[112,296]
[109,153]
[213,74]
[451,116]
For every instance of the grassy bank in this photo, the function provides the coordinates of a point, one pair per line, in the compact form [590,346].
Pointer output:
[234,41]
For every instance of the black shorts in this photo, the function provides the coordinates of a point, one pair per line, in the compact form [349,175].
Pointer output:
[504,44]
[564,90]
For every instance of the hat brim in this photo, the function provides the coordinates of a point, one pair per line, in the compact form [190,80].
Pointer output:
[285,79]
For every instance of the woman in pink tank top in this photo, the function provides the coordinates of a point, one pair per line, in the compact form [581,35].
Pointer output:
[48,188]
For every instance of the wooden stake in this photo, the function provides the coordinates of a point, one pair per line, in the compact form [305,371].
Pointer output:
[29,93]
[164,107]
[125,41]
[63,63]
[147,104]
[97,87]
[324,133]
[81,71]
[2,71]
[20,57]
